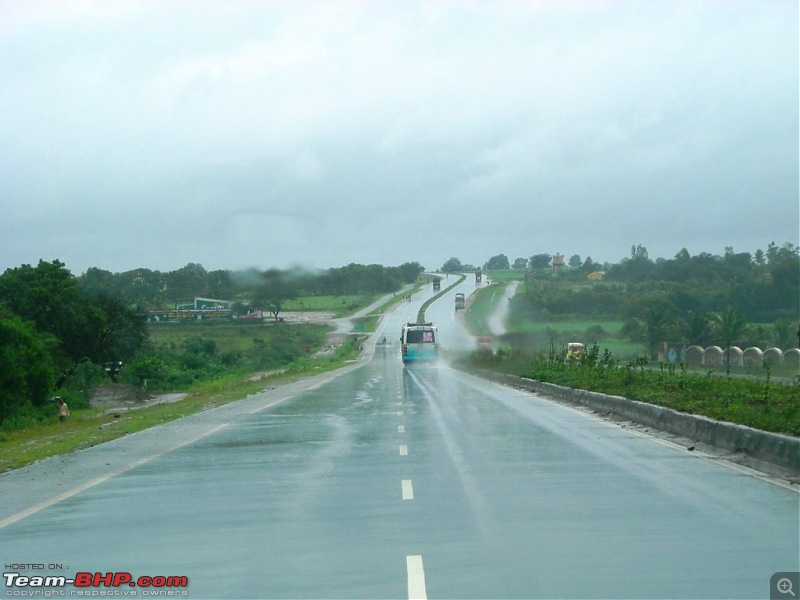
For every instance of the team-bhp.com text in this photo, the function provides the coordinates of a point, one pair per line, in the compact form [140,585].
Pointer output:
[94,584]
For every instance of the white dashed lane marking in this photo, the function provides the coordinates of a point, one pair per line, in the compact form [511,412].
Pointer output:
[408,489]
[416,578]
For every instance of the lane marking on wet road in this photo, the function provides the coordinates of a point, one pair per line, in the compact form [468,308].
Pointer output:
[403,450]
[408,489]
[401,429]
[416,578]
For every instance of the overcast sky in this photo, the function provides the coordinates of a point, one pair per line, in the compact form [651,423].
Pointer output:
[262,134]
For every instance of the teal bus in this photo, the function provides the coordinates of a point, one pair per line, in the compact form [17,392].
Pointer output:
[419,342]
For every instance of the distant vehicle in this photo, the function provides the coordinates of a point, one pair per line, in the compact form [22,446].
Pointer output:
[484,343]
[478,275]
[437,284]
[574,352]
[419,342]
[459,300]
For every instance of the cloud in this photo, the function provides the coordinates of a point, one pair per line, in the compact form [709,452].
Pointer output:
[380,132]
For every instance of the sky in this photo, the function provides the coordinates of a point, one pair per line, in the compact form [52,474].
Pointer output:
[259,134]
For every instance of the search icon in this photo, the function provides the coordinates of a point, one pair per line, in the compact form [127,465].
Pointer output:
[784,586]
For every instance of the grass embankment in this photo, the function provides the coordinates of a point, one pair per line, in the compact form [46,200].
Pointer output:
[762,404]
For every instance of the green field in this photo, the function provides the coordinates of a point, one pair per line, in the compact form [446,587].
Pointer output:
[228,336]
[341,305]
[505,276]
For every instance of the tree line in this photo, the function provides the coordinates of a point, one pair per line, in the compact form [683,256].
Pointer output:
[148,289]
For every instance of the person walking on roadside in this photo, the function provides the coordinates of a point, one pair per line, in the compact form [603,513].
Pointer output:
[63,410]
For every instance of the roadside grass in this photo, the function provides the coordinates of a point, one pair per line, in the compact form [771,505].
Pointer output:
[564,326]
[88,427]
[339,305]
[759,403]
[229,336]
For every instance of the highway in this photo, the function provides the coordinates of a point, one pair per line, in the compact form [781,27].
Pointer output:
[390,482]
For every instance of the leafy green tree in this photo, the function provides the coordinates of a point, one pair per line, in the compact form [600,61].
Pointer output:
[408,272]
[520,263]
[730,327]
[589,266]
[27,375]
[142,288]
[278,287]
[219,284]
[48,296]
[784,266]
[497,263]
[187,282]
[111,331]
[575,261]
[452,265]
[96,280]
[540,262]
[97,326]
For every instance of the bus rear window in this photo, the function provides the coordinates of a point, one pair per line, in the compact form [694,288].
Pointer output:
[417,336]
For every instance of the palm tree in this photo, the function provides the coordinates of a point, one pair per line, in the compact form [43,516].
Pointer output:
[783,335]
[653,328]
[694,327]
[730,326]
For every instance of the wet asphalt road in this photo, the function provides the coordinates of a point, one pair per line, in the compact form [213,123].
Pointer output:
[386,482]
